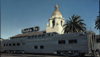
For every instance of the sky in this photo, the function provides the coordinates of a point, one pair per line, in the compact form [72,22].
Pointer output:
[20,14]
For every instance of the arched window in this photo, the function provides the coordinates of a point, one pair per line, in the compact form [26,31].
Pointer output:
[61,22]
[53,23]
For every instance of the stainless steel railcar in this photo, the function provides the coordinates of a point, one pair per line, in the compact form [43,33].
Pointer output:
[73,44]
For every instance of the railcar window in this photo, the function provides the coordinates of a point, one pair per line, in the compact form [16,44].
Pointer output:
[6,44]
[9,44]
[18,44]
[61,42]
[35,47]
[23,43]
[72,41]
[13,44]
[41,47]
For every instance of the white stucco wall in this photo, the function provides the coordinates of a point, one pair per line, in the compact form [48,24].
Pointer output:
[57,18]
[57,28]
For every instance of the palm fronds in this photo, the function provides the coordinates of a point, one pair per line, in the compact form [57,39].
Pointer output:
[74,25]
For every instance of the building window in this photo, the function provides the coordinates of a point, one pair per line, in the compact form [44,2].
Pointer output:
[29,37]
[9,44]
[18,44]
[35,47]
[44,32]
[13,44]
[43,35]
[53,23]
[46,35]
[35,36]
[39,36]
[61,42]
[49,34]
[25,36]
[81,34]
[17,37]
[72,41]
[61,23]
[41,47]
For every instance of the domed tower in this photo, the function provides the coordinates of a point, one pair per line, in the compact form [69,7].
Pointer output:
[56,13]
[56,22]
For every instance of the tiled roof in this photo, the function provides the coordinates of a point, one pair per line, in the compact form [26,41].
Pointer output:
[20,35]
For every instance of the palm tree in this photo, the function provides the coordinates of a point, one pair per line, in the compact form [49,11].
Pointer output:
[74,25]
[97,23]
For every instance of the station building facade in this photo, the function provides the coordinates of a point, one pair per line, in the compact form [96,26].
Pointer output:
[55,24]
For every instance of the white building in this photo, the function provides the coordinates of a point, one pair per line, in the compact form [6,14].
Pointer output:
[56,22]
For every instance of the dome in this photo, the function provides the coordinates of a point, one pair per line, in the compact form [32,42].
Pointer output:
[56,12]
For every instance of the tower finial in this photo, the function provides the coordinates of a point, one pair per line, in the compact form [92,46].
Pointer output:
[56,7]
